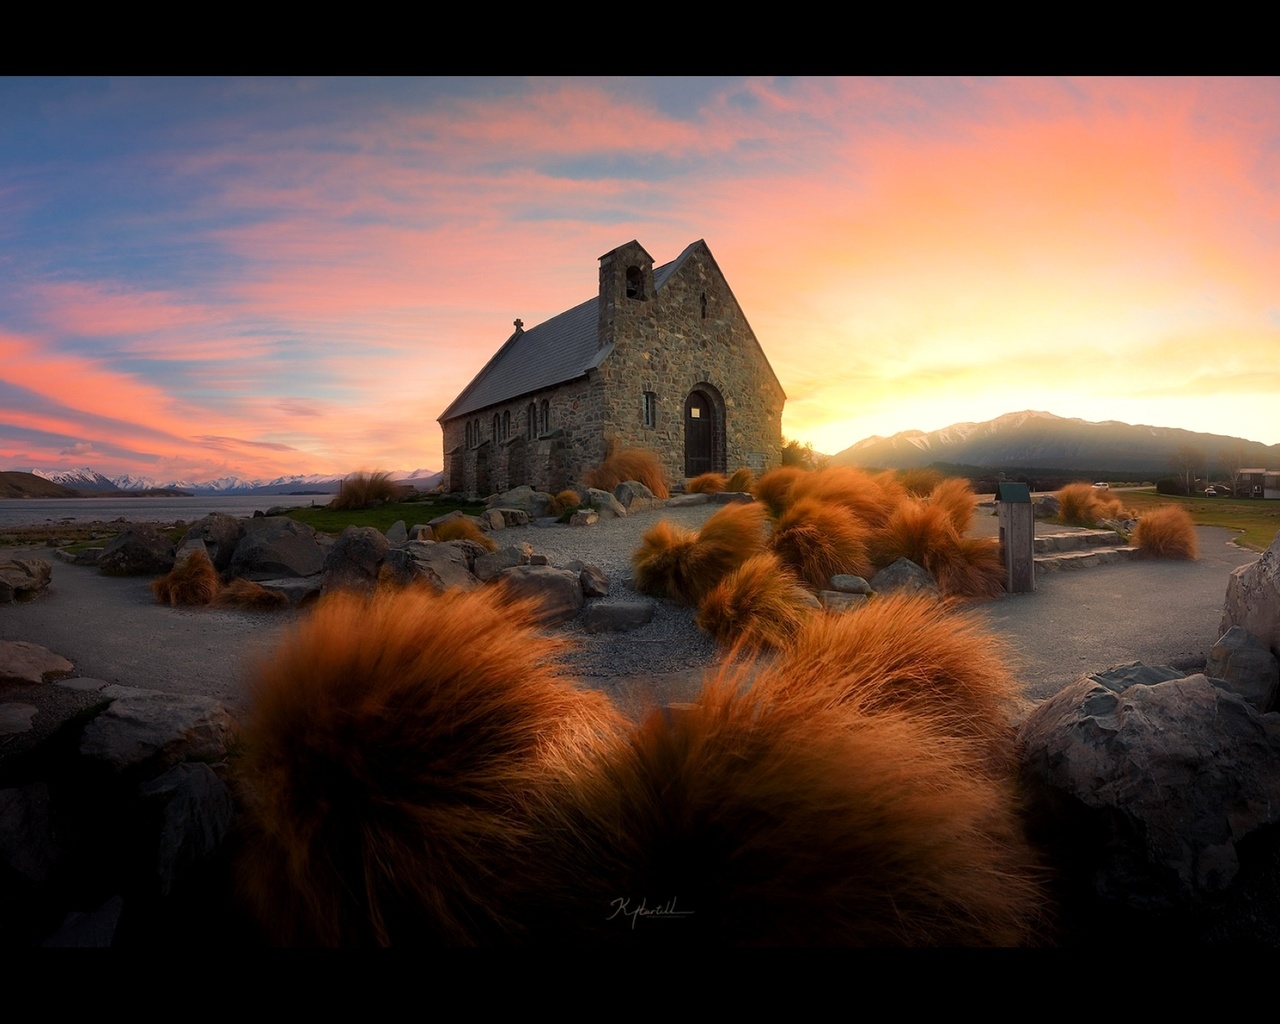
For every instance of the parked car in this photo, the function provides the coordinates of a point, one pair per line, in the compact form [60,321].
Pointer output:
[1102,485]
[1209,492]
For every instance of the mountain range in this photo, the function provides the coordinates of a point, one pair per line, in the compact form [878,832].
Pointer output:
[89,481]
[1042,441]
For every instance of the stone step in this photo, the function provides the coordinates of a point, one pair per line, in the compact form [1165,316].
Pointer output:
[1083,559]
[1080,540]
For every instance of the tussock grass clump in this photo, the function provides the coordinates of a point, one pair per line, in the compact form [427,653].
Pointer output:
[246,594]
[774,488]
[871,500]
[707,483]
[1079,505]
[818,541]
[463,529]
[920,482]
[193,582]
[741,482]
[360,490]
[781,824]
[396,748]
[563,502]
[629,464]
[965,568]
[1167,532]
[910,654]
[760,605]
[678,563]
[957,497]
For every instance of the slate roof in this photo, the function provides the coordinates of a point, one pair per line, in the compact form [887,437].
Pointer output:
[555,351]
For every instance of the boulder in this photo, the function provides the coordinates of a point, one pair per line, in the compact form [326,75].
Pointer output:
[838,601]
[28,663]
[1046,507]
[148,730]
[140,551]
[421,531]
[397,534]
[220,533]
[1119,678]
[355,559]
[847,584]
[1253,598]
[488,565]
[195,811]
[730,498]
[634,496]
[277,546]
[23,578]
[616,616]
[684,500]
[1167,780]
[906,577]
[594,580]
[493,519]
[584,517]
[1247,667]
[526,499]
[558,590]
[512,516]
[441,565]
[605,503]
[29,850]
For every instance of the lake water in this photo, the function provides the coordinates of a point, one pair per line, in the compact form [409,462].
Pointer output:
[38,511]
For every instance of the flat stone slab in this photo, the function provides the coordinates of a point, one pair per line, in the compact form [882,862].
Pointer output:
[27,663]
[684,500]
[616,616]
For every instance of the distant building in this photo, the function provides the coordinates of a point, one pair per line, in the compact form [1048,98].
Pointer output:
[1259,483]
[661,359]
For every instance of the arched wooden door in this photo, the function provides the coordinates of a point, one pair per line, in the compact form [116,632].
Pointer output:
[699,434]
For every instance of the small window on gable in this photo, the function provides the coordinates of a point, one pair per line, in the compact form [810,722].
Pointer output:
[650,409]
[635,283]
[546,416]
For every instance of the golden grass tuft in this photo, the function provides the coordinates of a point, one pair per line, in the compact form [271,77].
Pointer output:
[396,748]
[818,541]
[252,596]
[707,483]
[911,654]
[360,490]
[920,482]
[871,500]
[741,482]
[1167,532]
[957,497]
[563,502]
[458,528]
[774,488]
[193,582]
[629,464]
[758,606]
[771,822]
[1079,504]
[677,563]
[965,568]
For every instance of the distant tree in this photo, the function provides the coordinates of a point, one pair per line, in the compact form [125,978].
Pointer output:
[1185,461]
[1233,460]
[796,454]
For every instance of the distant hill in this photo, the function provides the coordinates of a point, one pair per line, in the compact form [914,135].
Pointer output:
[28,485]
[1045,442]
[90,483]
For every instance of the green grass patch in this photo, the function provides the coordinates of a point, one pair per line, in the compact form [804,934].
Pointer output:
[1258,519]
[334,521]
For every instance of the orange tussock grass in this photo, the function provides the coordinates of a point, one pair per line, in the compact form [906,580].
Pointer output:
[253,596]
[957,497]
[741,481]
[677,563]
[395,749]
[1167,532]
[774,488]
[912,654]
[870,499]
[463,529]
[1080,504]
[774,823]
[360,490]
[707,483]
[629,464]
[194,581]
[760,605]
[965,568]
[818,541]
[562,502]
[920,482]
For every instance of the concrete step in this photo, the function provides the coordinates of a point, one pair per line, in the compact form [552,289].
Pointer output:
[1083,559]
[1078,540]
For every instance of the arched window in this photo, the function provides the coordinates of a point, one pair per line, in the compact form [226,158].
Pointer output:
[546,416]
[531,422]
[496,425]
[468,426]
[506,425]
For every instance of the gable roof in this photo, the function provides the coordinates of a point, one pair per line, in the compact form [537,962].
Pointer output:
[555,351]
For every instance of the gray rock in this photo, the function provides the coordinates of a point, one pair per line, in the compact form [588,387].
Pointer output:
[730,498]
[616,616]
[276,546]
[584,517]
[847,584]
[15,718]
[838,601]
[558,590]
[493,519]
[441,565]
[220,533]
[28,663]
[195,809]
[488,565]
[421,531]
[143,729]
[634,496]
[1247,667]
[513,516]
[140,551]
[1119,678]
[397,534]
[23,578]
[605,503]
[354,561]
[906,577]
[1253,598]
[595,582]
[1175,775]
[300,590]
[1046,507]
[685,500]
[532,502]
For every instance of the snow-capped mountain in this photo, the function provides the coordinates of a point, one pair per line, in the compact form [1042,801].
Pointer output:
[90,480]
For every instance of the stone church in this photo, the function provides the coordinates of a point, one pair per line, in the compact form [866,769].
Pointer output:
[661,359]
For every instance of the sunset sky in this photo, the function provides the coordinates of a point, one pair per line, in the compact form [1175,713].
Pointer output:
[264,277]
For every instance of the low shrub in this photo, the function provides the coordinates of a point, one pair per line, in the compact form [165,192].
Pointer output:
[707,483]
[565,501]
[629,464]
[1079,505]
[871,500]
[1167,532]
[360,490]
[193,582]
[758,606]
[818,541]
[920,482]
[957,497]
[741,482]
[661,562]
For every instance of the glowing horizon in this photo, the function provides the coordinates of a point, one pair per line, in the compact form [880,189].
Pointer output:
[220,277]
